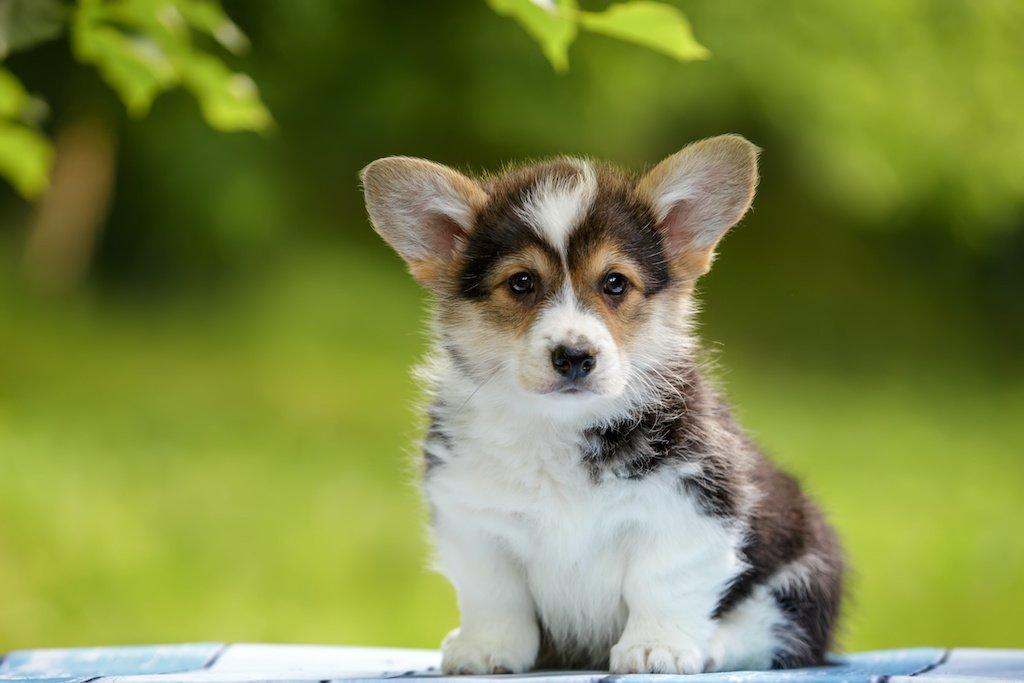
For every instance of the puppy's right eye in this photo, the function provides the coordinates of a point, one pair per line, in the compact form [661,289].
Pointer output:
[521,283]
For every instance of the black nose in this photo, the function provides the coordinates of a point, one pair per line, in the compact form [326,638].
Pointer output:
[572,362]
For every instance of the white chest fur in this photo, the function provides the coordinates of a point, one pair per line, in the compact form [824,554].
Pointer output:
[522,486]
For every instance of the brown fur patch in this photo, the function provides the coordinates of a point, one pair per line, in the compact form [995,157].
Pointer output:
[512,313]
[623,315]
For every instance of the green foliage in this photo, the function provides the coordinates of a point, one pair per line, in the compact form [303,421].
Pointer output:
[145,47]
[555,24]
[25,153]
[550,25]
[141,48]
[655,25]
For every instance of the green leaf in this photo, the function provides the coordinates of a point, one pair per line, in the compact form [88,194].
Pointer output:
[13,97]
[25,23]
[136,68]
[655,25]
[25,153]
[143,47]
[550,24]
[25,158]
[229,101]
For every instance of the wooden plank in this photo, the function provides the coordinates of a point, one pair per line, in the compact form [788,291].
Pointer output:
[89,662]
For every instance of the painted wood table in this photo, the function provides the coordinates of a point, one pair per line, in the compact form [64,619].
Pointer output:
[245,663]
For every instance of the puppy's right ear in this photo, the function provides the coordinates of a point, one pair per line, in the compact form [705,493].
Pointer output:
[423,210]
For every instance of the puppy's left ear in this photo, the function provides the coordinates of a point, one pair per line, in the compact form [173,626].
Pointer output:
[423,210]
[697,194]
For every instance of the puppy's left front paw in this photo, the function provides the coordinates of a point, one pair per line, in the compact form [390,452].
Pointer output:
[678,656]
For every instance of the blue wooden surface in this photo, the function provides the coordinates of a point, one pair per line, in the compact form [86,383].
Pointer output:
[89,662]
[242,663]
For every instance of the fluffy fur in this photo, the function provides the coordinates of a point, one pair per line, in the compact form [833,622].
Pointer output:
[612,515]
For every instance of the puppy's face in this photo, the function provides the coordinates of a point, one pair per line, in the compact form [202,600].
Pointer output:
[565,279]
[561,273]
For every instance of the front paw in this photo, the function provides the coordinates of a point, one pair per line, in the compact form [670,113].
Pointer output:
[481,654]
[657,656]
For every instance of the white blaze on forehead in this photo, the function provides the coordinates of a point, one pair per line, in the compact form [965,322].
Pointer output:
[557,204]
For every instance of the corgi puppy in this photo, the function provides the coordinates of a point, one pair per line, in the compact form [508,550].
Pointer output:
[592,499]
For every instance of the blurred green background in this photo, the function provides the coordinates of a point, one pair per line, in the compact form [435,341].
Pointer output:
[206,417]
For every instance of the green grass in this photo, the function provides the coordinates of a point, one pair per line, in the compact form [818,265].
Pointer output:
[238,469]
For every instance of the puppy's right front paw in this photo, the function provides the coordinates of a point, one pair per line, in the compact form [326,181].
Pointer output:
[482,654]
[656,657]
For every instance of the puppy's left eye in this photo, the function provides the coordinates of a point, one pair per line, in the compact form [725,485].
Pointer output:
[521,283]
[615,284]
